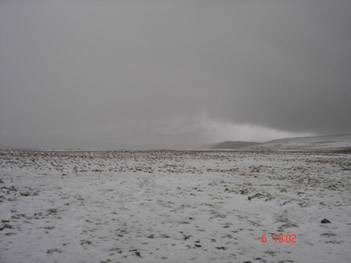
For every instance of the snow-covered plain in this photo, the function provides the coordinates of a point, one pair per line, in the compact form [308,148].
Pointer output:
[174,206]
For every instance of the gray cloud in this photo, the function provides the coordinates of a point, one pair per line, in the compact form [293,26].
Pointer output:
[109,73]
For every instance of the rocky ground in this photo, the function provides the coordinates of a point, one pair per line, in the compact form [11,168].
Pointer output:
[174,206]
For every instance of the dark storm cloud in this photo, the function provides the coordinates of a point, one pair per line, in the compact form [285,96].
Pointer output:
[102,73]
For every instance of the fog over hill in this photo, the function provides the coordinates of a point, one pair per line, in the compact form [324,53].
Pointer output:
[332,142]
[329,142]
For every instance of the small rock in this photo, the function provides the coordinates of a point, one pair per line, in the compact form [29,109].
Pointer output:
[186,237]
[257,195]
[52,211]
[244,192]
[4,226]
[221,248]
[325,221]
[54,250]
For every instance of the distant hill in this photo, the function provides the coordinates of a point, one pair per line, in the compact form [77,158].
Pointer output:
[329,142]
[228,145]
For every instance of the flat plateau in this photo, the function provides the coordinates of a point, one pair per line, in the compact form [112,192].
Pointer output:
[174,206]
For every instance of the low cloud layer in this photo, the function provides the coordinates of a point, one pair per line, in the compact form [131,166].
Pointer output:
[172,73]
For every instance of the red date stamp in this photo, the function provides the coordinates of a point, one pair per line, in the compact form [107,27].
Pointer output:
[280,238]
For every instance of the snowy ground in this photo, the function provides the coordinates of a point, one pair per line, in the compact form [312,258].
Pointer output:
[173,206]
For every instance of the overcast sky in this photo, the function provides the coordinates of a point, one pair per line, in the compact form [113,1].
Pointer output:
[112,74]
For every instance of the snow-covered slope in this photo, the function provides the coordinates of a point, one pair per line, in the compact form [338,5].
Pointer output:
[330,142]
